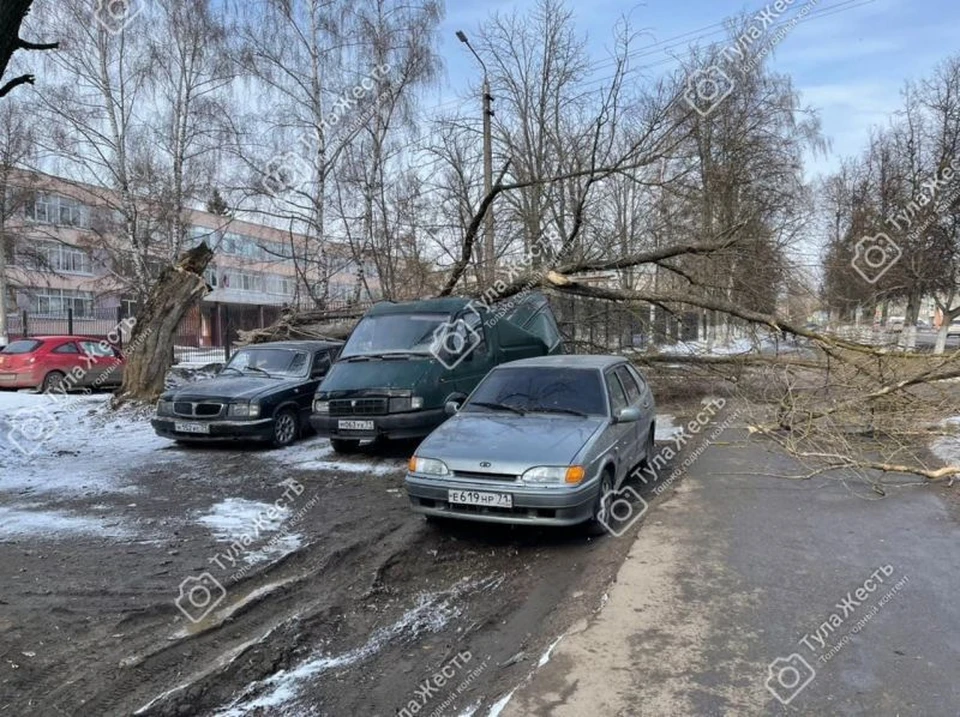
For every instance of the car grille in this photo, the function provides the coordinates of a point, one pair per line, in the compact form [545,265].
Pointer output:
[202,410]
[469,475]
[358,407]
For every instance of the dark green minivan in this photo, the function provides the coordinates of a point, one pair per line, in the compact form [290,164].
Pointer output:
[405,361]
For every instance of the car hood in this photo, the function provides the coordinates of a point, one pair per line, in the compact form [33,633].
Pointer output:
[348,377]
[244,388]
[510,444]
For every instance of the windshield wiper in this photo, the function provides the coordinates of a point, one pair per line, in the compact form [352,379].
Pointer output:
[498,407]
[558,409]
[257,368]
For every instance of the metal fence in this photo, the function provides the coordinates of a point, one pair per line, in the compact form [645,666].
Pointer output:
[99,323]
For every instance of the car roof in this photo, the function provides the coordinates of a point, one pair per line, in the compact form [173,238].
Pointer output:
[59,337]
[444,305]
[588,361]
[306,345]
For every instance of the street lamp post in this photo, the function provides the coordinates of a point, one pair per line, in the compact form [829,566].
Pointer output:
[488,260]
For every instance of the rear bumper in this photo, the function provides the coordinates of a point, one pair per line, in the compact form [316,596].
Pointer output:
[259,430]
[415,424]
[534,506]
[20,379]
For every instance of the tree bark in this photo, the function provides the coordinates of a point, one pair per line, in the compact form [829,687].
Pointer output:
[150,350]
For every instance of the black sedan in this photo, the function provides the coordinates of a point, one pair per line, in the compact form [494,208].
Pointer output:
[264,393]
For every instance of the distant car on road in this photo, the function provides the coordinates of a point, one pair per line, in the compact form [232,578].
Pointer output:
[49,363]
[263,393]
[545,440]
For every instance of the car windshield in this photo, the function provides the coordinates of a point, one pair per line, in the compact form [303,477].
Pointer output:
[538,389]
[20,347]
[393,333]
[271,362]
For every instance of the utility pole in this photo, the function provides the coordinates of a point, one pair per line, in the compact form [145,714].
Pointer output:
[488,260]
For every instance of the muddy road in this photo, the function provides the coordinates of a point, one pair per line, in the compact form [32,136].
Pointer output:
[222,581]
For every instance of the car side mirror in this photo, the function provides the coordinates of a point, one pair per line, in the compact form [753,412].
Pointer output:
[451,407]
[628,415]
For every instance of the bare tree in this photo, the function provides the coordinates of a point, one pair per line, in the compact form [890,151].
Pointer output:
[13,13]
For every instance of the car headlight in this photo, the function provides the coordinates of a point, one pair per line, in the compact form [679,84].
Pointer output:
[164,408]
[428,466]
[554,475]
[243,410]
[321,405]
[399,404]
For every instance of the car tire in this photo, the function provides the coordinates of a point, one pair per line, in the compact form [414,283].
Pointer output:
[285,428]
[345,445]
[52,381]
[595,526]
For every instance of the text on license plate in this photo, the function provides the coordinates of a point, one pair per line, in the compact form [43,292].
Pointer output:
[476,497]
[181,427]
[355,425]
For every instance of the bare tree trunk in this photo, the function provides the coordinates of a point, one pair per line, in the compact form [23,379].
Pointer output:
[150,352]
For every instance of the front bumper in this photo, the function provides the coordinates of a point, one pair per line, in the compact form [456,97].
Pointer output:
[414,424]
[258,430]
[535,506]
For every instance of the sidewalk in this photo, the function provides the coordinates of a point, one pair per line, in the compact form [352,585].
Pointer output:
[856,596]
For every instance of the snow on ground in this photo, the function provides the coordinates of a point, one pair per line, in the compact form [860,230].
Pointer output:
[237,520]
[29,519]
[317,455]
[666,427]
[947,448]
[70,444]
[742,345]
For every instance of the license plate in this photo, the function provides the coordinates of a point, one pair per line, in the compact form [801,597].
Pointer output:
[191,427]
[355,425]
[8,377]
[476,497]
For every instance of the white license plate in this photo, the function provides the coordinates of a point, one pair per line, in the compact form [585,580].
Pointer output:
[180,427]
[8,377]
[476,497]
[355,425]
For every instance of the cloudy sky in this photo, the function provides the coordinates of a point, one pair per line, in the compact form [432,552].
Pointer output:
[848,58]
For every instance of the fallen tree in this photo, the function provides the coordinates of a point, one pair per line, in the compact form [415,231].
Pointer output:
[149,353]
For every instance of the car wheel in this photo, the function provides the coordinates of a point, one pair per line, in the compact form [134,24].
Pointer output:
[345,445]
[52,381]
[284,428]
[597,524]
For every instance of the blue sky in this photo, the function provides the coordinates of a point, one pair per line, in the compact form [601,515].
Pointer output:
[850,62]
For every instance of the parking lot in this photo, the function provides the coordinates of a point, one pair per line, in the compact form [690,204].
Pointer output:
[145,576]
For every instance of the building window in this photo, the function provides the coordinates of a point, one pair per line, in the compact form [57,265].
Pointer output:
[55,257]
[57,209]
[281,285]
[54,303]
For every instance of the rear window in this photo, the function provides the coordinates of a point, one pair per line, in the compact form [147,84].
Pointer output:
[21,347]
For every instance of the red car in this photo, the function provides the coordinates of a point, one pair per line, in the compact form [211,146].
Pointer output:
[47,362]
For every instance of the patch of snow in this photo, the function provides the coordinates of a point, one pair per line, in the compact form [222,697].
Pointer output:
[545,657]
[312,456]
[24,521]
[431,613]
[240,520]
[70,444]
[947,448]
[500,704]
[666,427]
[377,469]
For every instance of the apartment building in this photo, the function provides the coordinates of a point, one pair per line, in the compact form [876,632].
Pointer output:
[65,265]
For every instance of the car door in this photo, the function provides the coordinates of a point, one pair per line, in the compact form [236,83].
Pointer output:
[99,364]
[624,434]
[477,358]
[638,398]
[67,359]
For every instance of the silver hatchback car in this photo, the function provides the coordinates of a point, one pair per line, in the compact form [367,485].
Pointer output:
[545,440]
